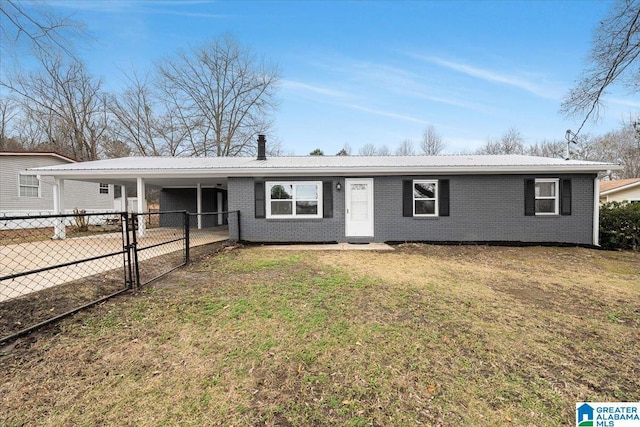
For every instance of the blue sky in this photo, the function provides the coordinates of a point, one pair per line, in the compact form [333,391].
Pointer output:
[378,72]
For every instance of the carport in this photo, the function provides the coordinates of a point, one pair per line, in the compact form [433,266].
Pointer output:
[194,186]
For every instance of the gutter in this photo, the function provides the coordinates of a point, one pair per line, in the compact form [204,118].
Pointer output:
[317,171]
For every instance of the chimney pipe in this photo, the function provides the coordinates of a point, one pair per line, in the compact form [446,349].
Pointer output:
[261,147]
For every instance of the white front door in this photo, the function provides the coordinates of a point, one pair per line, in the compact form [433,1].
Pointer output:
[359,207]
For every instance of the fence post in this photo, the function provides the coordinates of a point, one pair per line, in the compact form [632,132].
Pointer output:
[239,233]
[128,273]
[134,248]
[186,237]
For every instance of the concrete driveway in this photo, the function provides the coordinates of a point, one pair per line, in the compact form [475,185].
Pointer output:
[32,256]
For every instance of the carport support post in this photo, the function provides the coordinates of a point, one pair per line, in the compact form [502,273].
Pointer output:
[142,203]
[199,205]
[59,231]
[124,206]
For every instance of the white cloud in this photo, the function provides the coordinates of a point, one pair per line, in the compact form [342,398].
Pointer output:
[387,114]
[297,86]
[624,102]
[490,76]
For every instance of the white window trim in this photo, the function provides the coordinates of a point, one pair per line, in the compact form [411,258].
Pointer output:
[413,196]
[556,198]
[102,186]
[20,186]
[268,200]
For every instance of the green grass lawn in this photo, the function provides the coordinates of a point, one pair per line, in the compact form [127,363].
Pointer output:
[424,335]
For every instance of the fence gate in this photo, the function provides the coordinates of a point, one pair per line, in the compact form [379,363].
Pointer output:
[160,244]
[43,279]
[91,257]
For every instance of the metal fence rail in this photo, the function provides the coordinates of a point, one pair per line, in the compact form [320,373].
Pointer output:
[54,265]
[160,245]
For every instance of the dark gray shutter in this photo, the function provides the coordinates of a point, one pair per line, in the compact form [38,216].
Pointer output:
[565,197]
[259,199]
[529,197]
[327,199]
[407,197]
[443,197]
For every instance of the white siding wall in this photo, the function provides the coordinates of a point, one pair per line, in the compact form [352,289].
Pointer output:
[621,196]
[81,195]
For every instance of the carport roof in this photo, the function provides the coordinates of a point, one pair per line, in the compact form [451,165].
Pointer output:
[189,168]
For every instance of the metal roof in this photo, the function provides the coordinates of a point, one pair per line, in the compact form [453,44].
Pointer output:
[323,165]
[213,171]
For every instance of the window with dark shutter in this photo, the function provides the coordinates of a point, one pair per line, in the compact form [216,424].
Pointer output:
[565,197]
[529,197]
[327,199]
[259,199]
[407,197]
[443,195]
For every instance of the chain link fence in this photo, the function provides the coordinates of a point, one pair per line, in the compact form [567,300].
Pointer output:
[54,265]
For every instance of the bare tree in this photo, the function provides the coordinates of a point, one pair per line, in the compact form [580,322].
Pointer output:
[65,103]
[383,150]
[368,150]
[555,149]
[620,146]
[431,144]
[34,25]
[112,148]
[222,94]
[30,135]
[511,142]
[8,113]
[345,150]
[405,148]
[135,123]
[614,57]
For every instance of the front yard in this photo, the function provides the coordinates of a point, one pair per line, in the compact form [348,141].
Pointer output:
[424,335]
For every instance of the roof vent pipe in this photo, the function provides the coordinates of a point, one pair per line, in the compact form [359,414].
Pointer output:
[262,141]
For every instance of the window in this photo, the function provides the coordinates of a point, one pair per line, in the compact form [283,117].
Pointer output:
[425,198]
[546,196]
[104,188]
[294,199]
[29,186]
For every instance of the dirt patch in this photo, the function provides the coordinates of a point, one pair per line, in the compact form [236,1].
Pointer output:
[25,311]
[424,335]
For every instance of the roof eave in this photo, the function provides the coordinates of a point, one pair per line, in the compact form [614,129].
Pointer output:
[319,171]
[622,188]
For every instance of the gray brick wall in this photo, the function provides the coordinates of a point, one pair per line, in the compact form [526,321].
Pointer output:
[483,208]
[185,199]
[241,197]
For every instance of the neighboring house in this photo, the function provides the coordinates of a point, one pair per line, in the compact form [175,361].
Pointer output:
[25,193]
[620,190]
[363,199]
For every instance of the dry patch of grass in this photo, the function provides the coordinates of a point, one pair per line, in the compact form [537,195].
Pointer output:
[426,335]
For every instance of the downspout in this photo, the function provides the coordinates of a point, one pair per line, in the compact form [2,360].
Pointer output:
[596,209]
[199,204]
